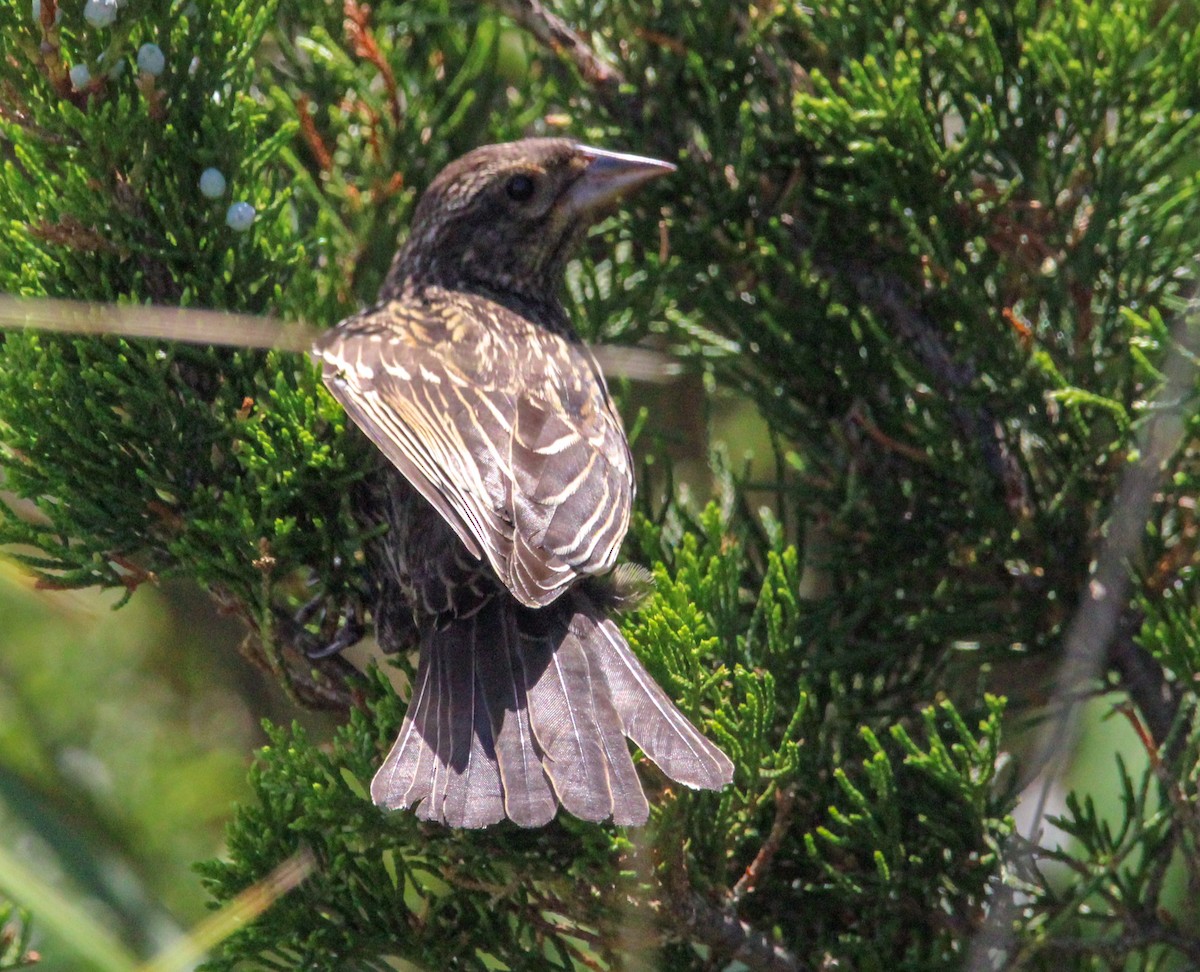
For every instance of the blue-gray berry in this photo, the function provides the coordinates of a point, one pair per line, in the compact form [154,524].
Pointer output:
[212,185]
[80,76]
[100,13]
[239,217]
[150,59]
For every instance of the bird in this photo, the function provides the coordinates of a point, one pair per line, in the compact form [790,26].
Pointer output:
[505,486]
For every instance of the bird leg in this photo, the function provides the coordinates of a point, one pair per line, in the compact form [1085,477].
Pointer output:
[294,629]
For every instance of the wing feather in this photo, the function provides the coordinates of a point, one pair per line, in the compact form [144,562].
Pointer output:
[505,427]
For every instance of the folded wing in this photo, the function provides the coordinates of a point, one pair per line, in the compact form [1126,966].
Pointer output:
[505,427]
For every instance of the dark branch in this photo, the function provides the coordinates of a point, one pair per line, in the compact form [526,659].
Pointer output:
[886,296]
[1144,679]
[889,297]
[554,33]
[730,938]
[560,37]
[733,938]
[784,801]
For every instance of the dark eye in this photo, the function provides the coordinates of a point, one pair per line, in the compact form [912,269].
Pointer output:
[520,188]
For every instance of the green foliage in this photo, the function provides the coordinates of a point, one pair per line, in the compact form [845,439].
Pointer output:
[930,156]
[188,460]
[14,937]
[923,817]
[939,247]
[1116,892]
[396,887]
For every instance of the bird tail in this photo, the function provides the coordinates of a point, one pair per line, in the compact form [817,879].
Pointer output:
[516,711]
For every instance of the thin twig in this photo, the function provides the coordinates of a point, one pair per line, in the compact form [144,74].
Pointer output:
[565,42]
[189,325]
[877,434]
[556,34]
[358,32]
[722,930]
[785,799]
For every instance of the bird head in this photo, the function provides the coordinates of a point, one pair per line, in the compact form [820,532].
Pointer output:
[505,218]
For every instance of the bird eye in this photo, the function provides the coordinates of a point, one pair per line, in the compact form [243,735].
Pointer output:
[519,188]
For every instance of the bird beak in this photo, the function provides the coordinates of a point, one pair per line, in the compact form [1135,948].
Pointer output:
[608,176]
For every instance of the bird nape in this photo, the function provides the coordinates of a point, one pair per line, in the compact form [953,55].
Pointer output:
[505,494]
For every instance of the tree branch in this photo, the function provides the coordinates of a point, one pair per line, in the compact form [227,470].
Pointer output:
[561,38]
[785,799]
[733,938]
[729,937]
[889,297]
[1143,678]
[885,295]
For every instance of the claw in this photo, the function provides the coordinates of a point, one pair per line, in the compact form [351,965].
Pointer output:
[294,628]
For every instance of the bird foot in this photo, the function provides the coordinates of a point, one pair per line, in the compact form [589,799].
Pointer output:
[315,646]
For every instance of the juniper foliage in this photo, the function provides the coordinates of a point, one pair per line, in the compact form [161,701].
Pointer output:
[942,247]
[14,937]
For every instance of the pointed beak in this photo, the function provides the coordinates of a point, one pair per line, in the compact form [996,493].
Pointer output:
[610,175]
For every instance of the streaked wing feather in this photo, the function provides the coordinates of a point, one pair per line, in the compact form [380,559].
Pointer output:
[505,427]
[403,448]
[569,506]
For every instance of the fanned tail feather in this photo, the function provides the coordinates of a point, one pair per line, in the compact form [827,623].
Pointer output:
[651,719]
[407,774]
[444,756]
[528,797]
[472,794]
[516,711]
[576,726]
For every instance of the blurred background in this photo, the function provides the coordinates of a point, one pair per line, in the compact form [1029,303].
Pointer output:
[125,737]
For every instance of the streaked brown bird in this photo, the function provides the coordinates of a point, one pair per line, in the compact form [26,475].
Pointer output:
[506,496]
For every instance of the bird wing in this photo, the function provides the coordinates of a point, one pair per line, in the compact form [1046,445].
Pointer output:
[504,426]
